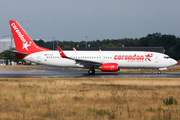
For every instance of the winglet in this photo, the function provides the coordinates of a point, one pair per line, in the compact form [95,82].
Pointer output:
[61,53]
[74,49]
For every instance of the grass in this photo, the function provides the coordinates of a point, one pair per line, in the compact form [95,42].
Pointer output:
[89,98]
[22,68]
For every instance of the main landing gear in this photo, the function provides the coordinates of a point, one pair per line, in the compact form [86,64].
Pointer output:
[91,71]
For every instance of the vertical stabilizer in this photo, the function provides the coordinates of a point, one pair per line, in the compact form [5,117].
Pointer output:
[23,42]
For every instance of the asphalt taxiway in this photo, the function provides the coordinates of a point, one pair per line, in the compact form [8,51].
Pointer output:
[52,72]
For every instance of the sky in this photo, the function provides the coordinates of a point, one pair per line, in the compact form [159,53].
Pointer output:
[72,20]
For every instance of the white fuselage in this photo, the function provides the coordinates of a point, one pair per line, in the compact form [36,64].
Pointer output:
[124,59]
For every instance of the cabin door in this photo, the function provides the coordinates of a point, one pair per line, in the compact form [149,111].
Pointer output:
[156,58]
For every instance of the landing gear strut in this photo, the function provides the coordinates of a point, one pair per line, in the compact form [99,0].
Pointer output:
[91,71]
[159,72]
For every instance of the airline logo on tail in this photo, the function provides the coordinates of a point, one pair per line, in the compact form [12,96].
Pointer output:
[25,44]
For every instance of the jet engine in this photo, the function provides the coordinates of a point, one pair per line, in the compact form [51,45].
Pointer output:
[109,67]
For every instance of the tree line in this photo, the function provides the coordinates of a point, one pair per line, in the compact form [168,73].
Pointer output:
[171,44]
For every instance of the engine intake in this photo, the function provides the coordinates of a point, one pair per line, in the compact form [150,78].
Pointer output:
[109,67]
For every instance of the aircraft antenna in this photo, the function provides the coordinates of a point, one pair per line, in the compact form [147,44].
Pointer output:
[27,27]
[86,40]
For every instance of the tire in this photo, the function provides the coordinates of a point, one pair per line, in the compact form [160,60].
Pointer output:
[91,71]
[159,72]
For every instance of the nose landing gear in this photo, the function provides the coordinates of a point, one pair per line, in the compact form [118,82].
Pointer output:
[159,72]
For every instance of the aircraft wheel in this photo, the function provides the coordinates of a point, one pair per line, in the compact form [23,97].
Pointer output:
[91,71]
[159,72]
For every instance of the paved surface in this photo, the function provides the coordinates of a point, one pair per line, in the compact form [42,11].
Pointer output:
[59,72]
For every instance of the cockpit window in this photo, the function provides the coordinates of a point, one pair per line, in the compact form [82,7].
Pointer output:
[166,57]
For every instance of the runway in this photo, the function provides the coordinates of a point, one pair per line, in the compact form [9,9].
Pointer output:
[52,72]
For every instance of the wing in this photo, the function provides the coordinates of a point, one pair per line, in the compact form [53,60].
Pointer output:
[85,63]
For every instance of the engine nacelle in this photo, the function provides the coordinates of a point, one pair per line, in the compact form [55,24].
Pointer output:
[109,67]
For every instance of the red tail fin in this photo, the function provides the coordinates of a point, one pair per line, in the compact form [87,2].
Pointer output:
[23,42]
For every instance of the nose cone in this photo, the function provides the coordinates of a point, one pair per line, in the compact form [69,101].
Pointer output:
[173,62]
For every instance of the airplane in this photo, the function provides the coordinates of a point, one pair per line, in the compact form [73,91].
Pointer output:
[106,61]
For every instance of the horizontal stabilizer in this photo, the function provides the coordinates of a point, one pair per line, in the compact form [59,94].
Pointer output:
[15,52]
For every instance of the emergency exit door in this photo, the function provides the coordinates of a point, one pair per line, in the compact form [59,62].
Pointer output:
[39,58]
